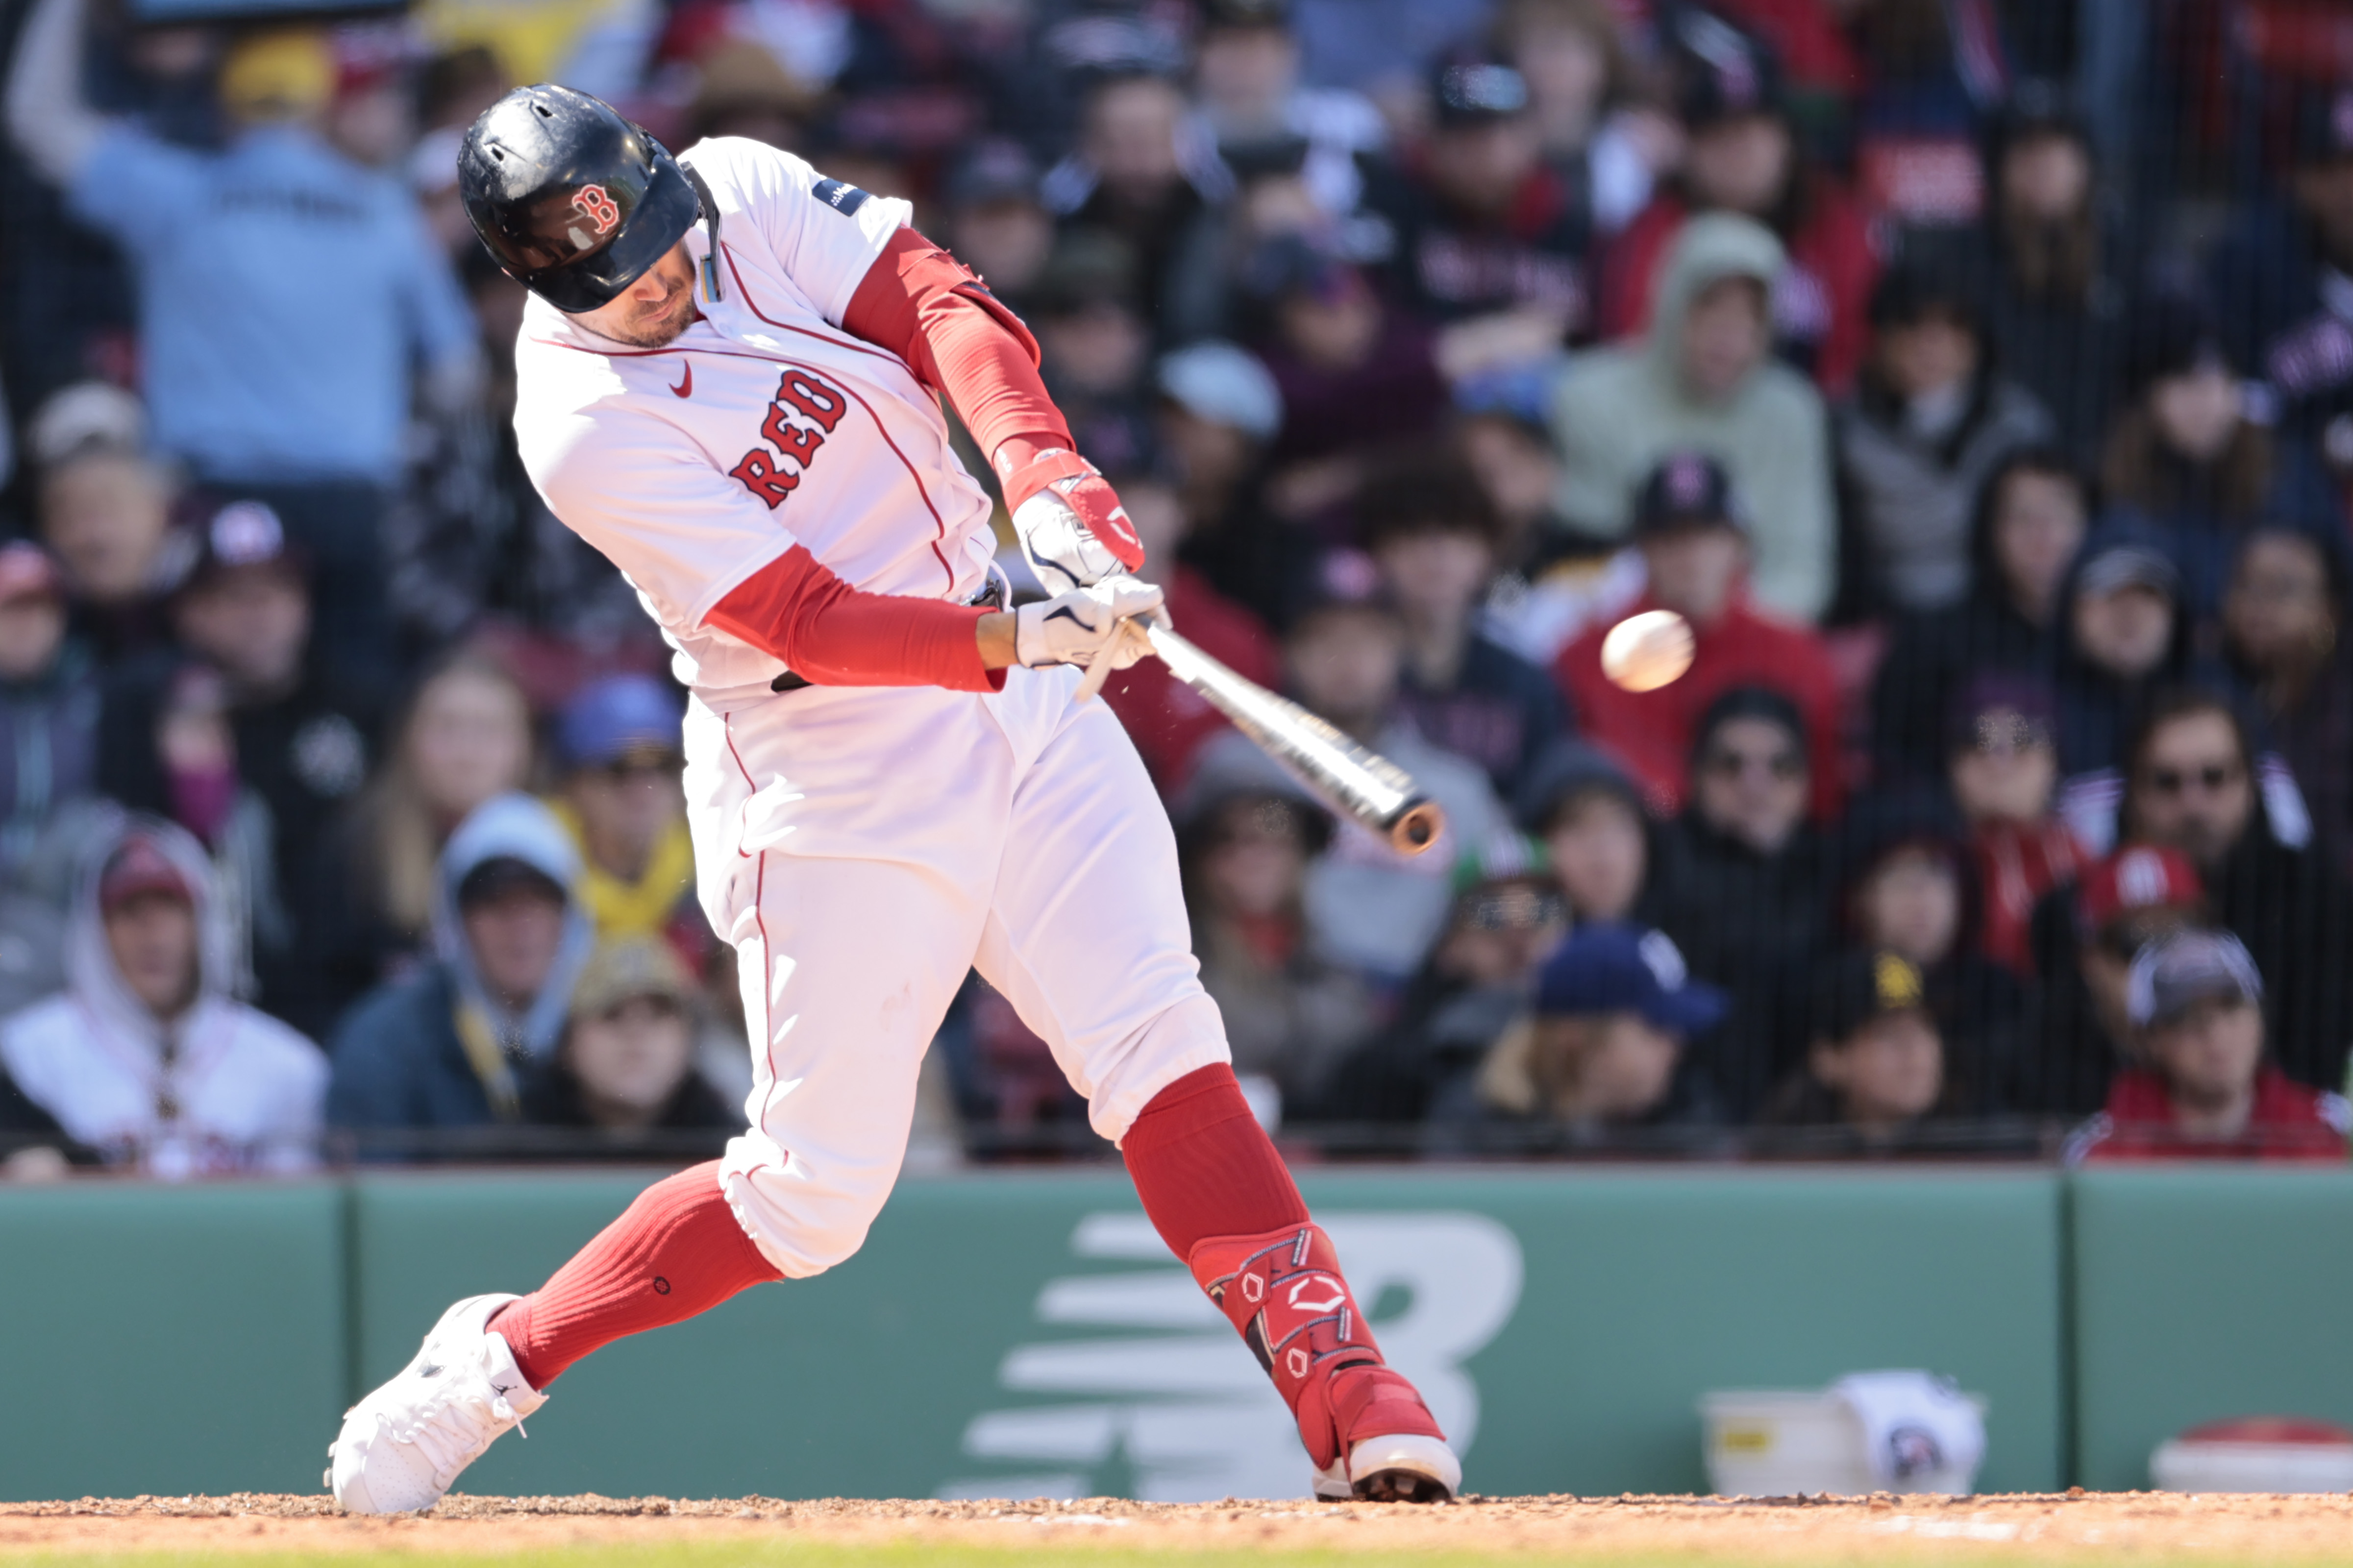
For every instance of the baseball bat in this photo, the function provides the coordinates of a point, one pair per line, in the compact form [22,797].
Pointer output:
[1347,778]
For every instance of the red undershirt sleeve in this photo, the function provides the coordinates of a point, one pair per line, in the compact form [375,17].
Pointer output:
[921,304]
[831,634]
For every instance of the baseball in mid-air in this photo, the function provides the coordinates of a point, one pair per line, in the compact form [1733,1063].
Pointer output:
[1647,651]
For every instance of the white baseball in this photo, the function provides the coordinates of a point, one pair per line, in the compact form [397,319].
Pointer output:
[1647,651]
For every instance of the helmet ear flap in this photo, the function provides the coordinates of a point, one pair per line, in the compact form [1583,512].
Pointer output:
[710,228]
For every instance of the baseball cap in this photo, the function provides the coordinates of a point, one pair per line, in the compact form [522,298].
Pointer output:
[1223,383]
[1915,289]
[1565,770]
[1721,72]
[499,875]
[1476,92]
[1245,14]
[1860,986]
[87,415]
[278,73]
[996,170]
[2112,568]
[240,535]
[137,867]
[627,968]
[2000,711]
[2137,877]
[26,570]
[1685,488]
[1342,579]
[615,717]
[1613,968]
[2175,972]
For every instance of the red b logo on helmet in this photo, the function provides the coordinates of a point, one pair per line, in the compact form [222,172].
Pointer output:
[597,207]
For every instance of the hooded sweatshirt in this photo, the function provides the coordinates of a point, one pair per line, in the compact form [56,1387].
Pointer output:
[436,1049]
[1616,411]
[220,1088]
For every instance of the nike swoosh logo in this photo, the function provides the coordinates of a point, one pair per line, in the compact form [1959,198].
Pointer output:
[1068,614]
[685,387]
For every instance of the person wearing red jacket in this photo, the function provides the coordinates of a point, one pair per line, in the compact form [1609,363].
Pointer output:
[1743,156]
[1688,525]
[2207,1092]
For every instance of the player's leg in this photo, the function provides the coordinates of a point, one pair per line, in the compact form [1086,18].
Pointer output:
[847,966]
[1088,938]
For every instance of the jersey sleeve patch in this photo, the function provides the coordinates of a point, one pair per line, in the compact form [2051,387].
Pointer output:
[842,199]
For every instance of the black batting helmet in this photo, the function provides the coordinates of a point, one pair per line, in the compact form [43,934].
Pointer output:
[574,200]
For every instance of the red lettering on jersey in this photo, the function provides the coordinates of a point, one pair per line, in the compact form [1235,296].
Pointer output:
[791,439]
[812,397]
[764,478]
[600,208]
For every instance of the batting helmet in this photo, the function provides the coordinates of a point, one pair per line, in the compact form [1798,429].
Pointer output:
[574,200]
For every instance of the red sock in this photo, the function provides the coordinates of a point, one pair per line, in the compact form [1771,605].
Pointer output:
[1203,1165]
[673,1254]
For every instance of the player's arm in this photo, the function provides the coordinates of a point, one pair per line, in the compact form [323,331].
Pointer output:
[921,304]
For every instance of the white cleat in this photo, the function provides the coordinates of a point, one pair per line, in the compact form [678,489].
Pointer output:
[1402,1468]
[405,1445]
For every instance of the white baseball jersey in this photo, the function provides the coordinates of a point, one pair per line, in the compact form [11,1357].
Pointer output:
[763,425]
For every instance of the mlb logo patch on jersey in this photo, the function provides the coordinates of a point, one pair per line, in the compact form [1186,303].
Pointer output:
[843,199]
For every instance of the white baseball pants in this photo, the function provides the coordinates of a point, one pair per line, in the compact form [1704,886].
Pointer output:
[861,848]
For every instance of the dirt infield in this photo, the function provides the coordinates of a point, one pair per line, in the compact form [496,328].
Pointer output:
[2141,1527]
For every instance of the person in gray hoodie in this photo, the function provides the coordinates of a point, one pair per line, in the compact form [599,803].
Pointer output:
[1702,378]
[454,1044]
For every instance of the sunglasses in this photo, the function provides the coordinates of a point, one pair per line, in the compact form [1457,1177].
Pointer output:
[1780,765]
[2212,777]
[1522,910]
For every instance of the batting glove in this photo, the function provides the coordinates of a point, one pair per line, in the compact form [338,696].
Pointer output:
[1077,627]
[1073,531]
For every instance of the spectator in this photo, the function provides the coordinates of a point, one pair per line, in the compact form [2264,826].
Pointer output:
[2004,771]
[2125,635]
[1742,159]
[1138,175]
[742,89]
[1094,346]
[1249,838]
[1587,812]
[49,706]
[2274,276]
[1484,227]
[1741,880]
[997,223]
[625,1068]
[2207,1093]
[1370,908]
[1246,84]
[1931,421]
[1875,1070]
[622,805]
[1428,530]
[1693,533]
[2283,618]
[2185,453]
[1700,378]
[105,513]
[1507,918]
[246,260]
[2190,784]
[1603,1059]
[144,1056]
[450,1046]
[2029,524]
[464,739]
[1580,84]
[2085,937]
[1909,888]
[2054,303]
[1168,719]
[1218,410]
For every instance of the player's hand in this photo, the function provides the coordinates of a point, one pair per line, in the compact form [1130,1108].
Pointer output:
[1086,623]
[1072,529]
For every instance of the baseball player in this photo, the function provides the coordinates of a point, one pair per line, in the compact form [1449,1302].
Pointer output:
[729,379]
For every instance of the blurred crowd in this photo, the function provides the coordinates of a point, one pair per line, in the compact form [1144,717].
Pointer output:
[1974,378]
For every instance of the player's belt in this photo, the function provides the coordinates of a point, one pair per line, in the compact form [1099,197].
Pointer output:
[996,592]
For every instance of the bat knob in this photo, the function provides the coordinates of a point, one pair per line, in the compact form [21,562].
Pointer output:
[1416,827]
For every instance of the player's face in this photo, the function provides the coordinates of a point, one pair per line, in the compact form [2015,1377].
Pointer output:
[652,311]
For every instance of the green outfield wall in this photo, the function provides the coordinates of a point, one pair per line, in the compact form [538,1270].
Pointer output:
[1020,1333]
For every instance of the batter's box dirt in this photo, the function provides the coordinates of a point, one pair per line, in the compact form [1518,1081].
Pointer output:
[2139,1528]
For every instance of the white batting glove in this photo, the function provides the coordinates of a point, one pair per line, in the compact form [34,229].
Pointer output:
[1072,529]
[1077,627]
